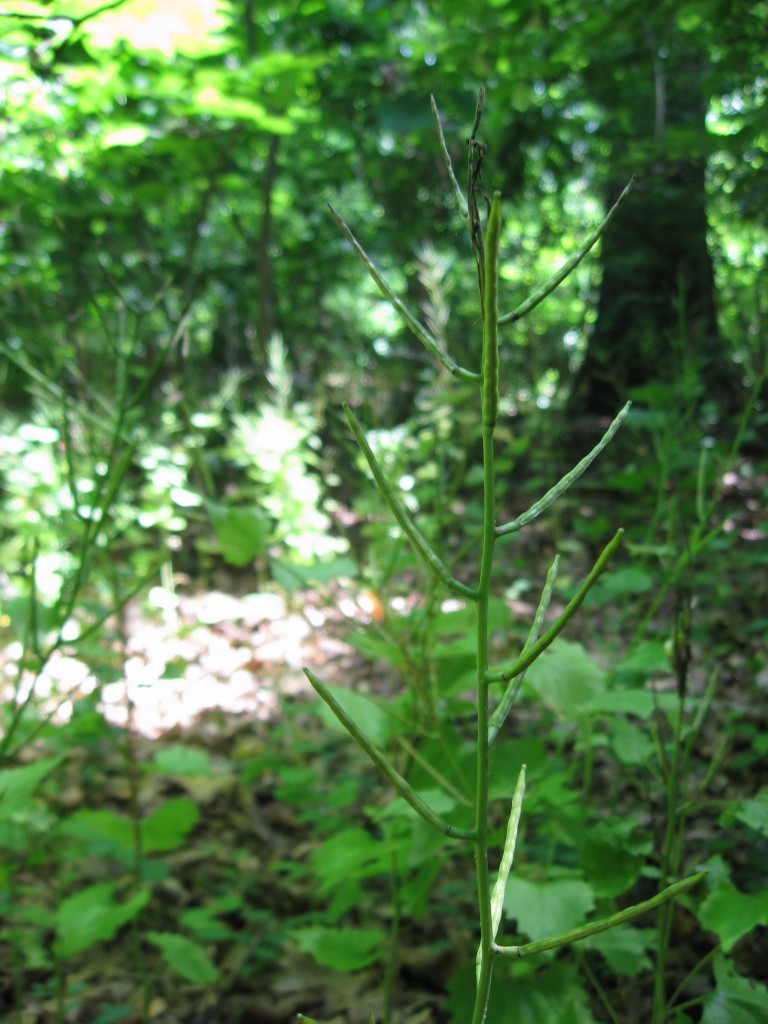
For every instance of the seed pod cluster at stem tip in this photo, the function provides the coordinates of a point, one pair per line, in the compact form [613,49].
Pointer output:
[491,315]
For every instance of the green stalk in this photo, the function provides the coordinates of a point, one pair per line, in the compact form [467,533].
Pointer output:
[570,478]
[490,901]
[419,330]
[532,653]
[595,927]
[567,268]
[490,410]
[401,514]
[671,856]
[505,706]
[402,786]
[461,201]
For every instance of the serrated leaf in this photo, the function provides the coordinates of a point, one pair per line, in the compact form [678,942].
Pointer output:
[343,949]
[565,678]
[630,743]
[730,914]
[168,827]
[92,915]
[186,957]
[18,785]
[736,1000]
[181,760]
[350,854]
[107,832]
[608,864]
[647,657]
[620,583]
[625,949]
[377,725]
[547,908]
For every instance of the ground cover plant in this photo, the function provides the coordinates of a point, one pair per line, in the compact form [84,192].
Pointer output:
[164,497]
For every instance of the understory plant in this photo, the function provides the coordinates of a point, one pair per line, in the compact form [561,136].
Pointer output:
[496,684]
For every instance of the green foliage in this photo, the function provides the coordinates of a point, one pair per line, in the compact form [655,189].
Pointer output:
[734,998]
[563,679]
[93,915]
[187,958]
[343,949]
[164,179]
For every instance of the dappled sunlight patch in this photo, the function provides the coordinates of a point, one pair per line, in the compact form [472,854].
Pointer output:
[204,651]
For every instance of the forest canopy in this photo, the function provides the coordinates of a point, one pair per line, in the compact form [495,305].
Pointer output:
[383,484]
[174,162]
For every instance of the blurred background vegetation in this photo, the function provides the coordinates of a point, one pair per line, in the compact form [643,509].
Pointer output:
[180,319]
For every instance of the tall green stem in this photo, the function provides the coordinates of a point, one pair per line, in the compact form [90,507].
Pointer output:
[490,903]
[670,864]
[490,409]
[481,796]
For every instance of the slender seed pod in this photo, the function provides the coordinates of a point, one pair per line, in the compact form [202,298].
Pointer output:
[491,315]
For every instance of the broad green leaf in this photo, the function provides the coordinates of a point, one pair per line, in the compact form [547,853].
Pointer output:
[647,657]
[18,785]
[92,915]
[350,854]
[736,1000]
[553,995]
[107,832]
[754,812]
[369,716]
[206,921]
[624,948]
[542,909]
[639,703]
[186,957]
[290,575]
[631,743]
[617,584]
[565,678]
[181,760]
[167,828]
[343,949]
[611,861]
[730,914]
[242,533]
[378,648]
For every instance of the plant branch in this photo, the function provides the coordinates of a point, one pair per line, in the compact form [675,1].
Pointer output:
[584,931]
[562,485]
[400,513]
[529,656]
[460,199]
[402,786]
[500,714]
[568,267]
[427,340]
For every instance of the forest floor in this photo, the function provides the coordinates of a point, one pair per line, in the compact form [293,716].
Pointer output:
[217,673]
[222,673]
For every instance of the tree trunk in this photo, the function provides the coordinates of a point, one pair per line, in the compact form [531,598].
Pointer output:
[656,317]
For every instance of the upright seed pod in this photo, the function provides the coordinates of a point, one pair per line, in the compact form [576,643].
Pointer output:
[490,368]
